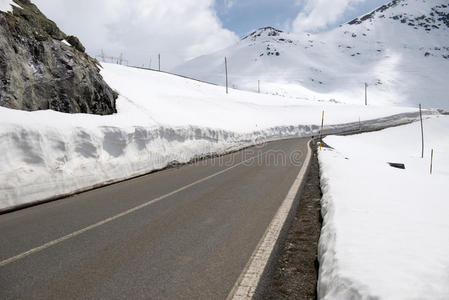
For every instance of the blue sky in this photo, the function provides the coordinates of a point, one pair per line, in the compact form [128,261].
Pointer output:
[243,16]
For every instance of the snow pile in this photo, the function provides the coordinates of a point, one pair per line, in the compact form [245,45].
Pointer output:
[401,51]
[161,118]
[386,230]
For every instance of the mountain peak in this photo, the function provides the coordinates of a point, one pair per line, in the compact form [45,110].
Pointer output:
[401,50]
[427,14]
[263,32]
[371,15]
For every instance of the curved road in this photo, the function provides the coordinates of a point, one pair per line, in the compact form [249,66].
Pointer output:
[181,233]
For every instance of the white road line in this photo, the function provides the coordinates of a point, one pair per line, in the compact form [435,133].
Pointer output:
[108,220]
[246,285]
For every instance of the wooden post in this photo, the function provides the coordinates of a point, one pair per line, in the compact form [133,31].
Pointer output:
[366,93]
[159,59]
[422,131]
[258,86]
[322,131]
[431,162]
[226,71]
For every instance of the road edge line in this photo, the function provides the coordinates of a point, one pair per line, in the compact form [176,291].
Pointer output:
[249,282]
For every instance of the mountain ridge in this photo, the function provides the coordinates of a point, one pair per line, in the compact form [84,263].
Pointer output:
[401,49]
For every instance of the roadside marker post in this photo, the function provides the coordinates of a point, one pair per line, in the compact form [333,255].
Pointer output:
[431,162]
[422,132]
[322,131]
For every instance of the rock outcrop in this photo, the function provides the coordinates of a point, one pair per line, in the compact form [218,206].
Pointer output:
[43,68]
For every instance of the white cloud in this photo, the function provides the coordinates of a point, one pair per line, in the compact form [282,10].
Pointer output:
[229,4]
[319,14]
[140,29]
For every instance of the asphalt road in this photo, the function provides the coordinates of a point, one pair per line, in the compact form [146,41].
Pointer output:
[181,233]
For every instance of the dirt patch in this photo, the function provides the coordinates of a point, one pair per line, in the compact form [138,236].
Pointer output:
[296,272]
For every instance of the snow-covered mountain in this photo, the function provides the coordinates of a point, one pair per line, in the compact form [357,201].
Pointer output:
[401,50]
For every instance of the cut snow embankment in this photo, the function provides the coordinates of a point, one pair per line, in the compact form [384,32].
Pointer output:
[386,230]
[161,118]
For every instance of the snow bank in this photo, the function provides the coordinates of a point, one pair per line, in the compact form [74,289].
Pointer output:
[161,118]
[386,230]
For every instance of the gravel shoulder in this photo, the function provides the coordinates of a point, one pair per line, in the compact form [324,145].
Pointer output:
[295,274]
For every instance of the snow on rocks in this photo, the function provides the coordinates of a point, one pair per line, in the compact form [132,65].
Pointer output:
[386,231]
[66,43]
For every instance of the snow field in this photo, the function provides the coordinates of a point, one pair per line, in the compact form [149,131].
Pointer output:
[386,230]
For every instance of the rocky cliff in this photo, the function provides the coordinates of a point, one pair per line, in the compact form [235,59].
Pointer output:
[43,68]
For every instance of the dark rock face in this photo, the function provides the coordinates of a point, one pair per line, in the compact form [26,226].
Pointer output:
[373,13]
[269,31]
[38,70]
[75,42]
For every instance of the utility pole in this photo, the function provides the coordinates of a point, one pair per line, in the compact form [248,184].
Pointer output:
[226,71]
[159,58]
[422,131]
[366,93]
